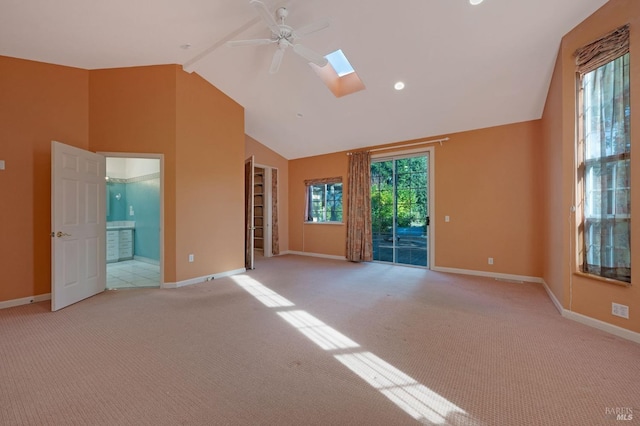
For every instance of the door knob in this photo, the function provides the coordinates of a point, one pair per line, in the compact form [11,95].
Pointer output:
[62,234]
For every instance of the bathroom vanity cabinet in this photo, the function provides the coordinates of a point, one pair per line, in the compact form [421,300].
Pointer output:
[119,242]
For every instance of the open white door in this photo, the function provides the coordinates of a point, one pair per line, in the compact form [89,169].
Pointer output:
[78,225]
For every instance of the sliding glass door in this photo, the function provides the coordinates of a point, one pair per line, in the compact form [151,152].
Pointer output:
[400,209]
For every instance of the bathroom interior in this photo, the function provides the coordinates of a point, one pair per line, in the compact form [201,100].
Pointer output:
[133,222]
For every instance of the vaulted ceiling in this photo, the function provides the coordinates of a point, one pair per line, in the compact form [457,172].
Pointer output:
[465,67]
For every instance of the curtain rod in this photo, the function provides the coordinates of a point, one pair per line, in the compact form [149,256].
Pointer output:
[407,145]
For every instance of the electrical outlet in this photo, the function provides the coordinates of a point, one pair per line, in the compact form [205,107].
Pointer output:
[191,258]
[619,310]
[491,261]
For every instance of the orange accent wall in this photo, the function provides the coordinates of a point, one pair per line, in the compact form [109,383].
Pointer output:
[266,157]
[579,294]
[38,103]
[327,239]
[200,131]
[209,179]
[134,110]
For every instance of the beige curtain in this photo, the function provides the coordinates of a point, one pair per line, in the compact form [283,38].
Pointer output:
[359,243]
[275,240]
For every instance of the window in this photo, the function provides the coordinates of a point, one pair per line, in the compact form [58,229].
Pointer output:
[324,200]
[340,63]
[604,168]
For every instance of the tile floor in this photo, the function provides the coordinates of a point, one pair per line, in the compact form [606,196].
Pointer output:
[132,274]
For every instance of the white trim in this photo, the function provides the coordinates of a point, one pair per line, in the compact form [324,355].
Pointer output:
[203,278]
[324,256]
[591,322]
[574,316]
[498,276]
[25,301]
[159,157]
[603,326]
[553,297]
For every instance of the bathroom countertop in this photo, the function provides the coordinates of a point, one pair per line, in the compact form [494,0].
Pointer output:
[121,224]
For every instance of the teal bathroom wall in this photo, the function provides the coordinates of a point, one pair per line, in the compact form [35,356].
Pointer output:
[142,196]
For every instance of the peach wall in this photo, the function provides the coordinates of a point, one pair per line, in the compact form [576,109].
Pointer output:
[326,239]
[134,110]
[266,157]
[555,230]
[209,179]
[485,181]
[38,103]
[583,295]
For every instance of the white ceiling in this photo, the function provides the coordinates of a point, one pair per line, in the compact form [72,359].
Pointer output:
[465,67]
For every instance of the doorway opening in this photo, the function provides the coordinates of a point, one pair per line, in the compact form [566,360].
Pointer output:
[400,204]
[134,221]
[261,213]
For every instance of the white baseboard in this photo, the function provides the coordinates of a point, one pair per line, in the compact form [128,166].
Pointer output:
[498,276]
[553,297]
[203,278]
[25,301]
[601,325]
[324,256]
[591,322]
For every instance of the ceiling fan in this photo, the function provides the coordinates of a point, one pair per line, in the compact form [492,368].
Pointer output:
[284,36]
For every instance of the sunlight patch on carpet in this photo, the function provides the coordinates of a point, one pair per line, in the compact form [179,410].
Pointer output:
[268,297]
[318,332]
[414,398]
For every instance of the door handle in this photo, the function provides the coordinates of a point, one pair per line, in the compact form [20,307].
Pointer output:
[62,234]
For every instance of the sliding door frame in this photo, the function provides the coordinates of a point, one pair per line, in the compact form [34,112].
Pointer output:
[431,195]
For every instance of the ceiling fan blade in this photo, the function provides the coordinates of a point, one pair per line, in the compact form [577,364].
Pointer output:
[310,55]
[236,43]
[311,28]
[276,61]
[266,16]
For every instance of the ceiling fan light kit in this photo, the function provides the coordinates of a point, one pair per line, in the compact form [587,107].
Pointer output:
[284,36]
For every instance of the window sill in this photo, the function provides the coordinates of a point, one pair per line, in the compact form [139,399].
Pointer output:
[323,223]
[602,279]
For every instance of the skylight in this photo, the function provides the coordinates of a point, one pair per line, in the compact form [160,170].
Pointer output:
[340,63]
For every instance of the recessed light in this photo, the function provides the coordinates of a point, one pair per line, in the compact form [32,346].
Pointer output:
[399,85]
[475,2]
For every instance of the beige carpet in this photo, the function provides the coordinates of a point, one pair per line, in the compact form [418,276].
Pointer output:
[304,341]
